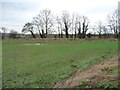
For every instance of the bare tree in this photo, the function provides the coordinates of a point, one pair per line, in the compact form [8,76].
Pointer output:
[105,31]
[84,26]
[28,27]
[99,28]
[94,29]
[4,29]
[72,24]
[75,24]
[79,29]
[66,21]
[43,22]
[13,34]
[59,26]
[37,21]
[47,19]
[113,22]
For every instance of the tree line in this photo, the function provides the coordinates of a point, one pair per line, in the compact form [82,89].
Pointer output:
[44,23]
[72,26]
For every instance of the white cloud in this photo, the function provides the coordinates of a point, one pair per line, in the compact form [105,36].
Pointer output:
[22,11]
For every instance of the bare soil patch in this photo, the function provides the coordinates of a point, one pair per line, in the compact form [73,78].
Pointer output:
[95,74]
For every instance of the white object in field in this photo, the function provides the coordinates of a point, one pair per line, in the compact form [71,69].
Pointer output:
[34,44]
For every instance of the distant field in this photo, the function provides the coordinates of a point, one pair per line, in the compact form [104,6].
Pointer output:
[43,63]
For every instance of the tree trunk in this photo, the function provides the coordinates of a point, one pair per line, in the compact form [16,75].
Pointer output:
[79,30]
[99,35]
[61,34]
[46,30]
[66,31]
[33,34]
[83,32]
[43,34]
[40,34]
[75,33]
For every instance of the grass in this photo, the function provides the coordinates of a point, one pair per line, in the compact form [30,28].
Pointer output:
[44,65]
[108,85]
[101,85]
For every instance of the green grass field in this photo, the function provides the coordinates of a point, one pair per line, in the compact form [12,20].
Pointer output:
[44,65]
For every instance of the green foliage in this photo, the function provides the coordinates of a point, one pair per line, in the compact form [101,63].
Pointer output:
[107,85]
[101,85]
[44,65]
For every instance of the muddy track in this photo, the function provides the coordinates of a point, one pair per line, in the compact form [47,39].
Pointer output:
[95,73]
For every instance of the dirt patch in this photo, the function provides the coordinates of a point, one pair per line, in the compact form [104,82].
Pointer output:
[95,74]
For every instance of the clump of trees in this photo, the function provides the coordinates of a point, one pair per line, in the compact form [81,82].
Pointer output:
[13,34]
[68,26]
[111,29]
[72,26]
[43,21]
[113,23]
[65,23]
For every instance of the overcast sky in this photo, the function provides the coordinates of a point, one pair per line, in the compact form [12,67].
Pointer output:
[16,13]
